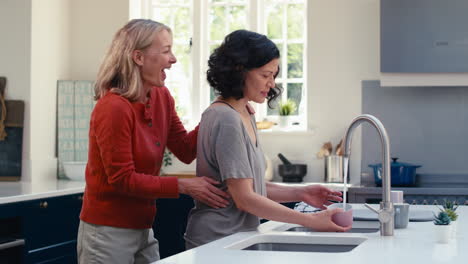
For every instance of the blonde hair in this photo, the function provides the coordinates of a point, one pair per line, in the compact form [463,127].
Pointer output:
[118,72]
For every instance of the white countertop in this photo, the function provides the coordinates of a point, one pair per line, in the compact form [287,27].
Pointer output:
[23,191]
[333,186]
[414,244]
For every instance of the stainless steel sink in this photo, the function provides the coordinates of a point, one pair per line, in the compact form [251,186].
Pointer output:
[300,242]
[300,247]
[358,227]
[352,230]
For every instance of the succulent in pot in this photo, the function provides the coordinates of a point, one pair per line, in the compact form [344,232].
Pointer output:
[442,227]
[442,219]
[450,208]
[449,205]
[285,110]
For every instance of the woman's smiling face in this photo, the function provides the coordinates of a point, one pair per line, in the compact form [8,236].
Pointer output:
[156,58]
[259,81]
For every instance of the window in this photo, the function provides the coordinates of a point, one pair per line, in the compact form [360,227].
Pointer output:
[177,15]
[199,26]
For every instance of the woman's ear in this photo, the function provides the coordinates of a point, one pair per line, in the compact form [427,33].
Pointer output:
[137,57]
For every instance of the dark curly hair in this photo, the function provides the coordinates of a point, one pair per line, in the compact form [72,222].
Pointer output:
[240,52]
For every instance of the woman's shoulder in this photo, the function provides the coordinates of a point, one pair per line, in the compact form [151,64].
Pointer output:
[112,104]
[222,114]
[112,99]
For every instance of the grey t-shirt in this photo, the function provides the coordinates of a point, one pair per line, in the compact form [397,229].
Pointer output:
[224,150]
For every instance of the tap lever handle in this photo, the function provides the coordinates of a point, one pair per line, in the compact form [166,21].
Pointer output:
[371,208]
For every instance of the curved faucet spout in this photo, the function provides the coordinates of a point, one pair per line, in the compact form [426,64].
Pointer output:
[386,206]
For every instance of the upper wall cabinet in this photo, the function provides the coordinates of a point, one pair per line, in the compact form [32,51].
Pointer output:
[424,36]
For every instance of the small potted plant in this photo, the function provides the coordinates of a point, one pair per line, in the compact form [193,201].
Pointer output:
[286,108]
[450,207]
[167,161]
[443,227]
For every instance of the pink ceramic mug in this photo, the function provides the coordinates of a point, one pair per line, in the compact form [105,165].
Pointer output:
[345,218]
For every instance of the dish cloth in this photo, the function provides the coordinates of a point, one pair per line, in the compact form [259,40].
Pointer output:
[305,208]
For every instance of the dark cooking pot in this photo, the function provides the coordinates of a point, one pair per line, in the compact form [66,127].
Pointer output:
[403,174]
[291,172]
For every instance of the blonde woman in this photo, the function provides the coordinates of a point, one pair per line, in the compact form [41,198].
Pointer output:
[132,123]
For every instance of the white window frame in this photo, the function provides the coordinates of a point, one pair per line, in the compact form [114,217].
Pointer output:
[200,53]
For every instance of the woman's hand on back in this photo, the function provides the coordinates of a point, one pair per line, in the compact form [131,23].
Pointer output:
[203,190]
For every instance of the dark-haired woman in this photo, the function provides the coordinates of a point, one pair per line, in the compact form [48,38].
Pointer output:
[243,69]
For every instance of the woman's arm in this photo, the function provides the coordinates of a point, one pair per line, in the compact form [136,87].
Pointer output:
[180,142]
[282,194]
[315,195]
[247,200]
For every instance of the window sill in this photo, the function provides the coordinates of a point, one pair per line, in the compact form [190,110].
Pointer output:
[300,131]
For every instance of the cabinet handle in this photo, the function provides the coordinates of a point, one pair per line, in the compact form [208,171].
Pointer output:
[11,244]
[43,204]
[80,198]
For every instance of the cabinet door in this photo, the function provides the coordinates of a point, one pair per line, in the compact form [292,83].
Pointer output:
[57,253]
[51,228]
[423,36]
[170,223]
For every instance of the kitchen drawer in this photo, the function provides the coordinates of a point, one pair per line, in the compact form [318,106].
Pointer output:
[11,242]
[52,221]
[47,229]
[58,253]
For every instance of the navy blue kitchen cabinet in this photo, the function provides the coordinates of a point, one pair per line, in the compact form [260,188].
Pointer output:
[170,223]
[11,231]
[48,226]
[423,36]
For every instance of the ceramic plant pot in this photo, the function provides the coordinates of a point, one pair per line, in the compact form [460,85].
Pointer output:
[454,228]
[283,121]
[443,233]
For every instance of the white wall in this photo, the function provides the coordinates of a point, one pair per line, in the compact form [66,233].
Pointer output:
[45,41]
[50,61]
[34,52]
[15,58]
[15,46]
[345,48]
[93,25]
[68,39]
[343,51]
